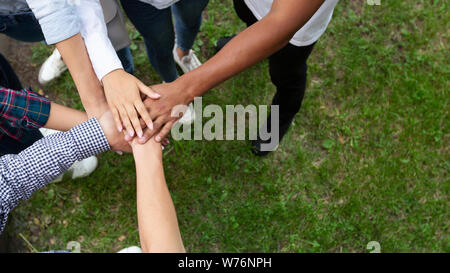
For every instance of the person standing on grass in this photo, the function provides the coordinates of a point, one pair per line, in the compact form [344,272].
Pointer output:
[284,31]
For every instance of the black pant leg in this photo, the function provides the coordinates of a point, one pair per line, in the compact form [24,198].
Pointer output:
[8,77]
[244,13]
[288,72]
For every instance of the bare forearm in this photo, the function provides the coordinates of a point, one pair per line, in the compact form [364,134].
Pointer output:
[158,225]
[63,118]
[252,45]
[77,60]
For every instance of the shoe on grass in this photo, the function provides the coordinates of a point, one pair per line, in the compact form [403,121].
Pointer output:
[79,169]
[52,68]
[189,116]
[256,144]
[131,249]
[188,62]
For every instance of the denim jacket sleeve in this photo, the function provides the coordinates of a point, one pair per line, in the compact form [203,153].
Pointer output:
[58,18]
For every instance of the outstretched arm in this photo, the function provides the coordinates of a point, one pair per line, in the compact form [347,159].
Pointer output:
[158,225]
[61,25]
[122,90]
[23,174]
[24,109]
[63,118]
[252,45]
[77,60]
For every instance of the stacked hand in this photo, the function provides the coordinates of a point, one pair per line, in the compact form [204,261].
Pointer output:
[161,110]
[123,93]
[131,116]
[115,138]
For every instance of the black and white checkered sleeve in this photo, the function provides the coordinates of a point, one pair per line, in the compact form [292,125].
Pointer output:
[35,167]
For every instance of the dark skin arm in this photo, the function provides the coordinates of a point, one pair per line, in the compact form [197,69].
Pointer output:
[252,45]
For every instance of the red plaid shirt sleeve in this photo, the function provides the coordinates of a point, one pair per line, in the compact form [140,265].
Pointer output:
[22,110]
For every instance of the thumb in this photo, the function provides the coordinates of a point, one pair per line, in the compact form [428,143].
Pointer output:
[148,91]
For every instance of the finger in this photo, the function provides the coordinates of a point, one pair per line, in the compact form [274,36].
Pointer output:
[148,91]
[144,114]
[164,131]
[143,125]
[165,142]
[127,137]
[132,114]
[148,134]
[116,117]
[125,120]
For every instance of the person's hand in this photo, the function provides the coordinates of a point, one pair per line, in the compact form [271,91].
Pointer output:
[148,150]
[150,146]
[115,138]
[122,91]
[172,94]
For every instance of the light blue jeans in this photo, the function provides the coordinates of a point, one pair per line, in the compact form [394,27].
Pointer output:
[157,28]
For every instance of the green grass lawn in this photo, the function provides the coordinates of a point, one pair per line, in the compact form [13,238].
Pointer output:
[367,158]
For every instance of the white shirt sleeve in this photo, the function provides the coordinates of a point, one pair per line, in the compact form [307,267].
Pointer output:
[95,34]
[58,19]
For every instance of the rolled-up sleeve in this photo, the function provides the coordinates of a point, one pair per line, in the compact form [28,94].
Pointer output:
[95,34]
[23,109]
[58,18]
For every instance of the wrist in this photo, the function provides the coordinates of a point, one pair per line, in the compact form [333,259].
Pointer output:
[150,149]
[191,85]
[111,75]
[95,107]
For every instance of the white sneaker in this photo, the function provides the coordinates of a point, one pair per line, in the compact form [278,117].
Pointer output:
[187,63]
[131,249]
[188,116]
[79,169]
[52,68]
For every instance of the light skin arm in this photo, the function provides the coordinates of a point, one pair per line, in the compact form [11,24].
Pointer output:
[77,60]
[158,225]
[252,45]
[122,90]
[63,118]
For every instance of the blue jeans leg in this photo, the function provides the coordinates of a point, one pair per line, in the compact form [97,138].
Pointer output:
[188,19]
[157,29]
[21,26]
[127,59]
